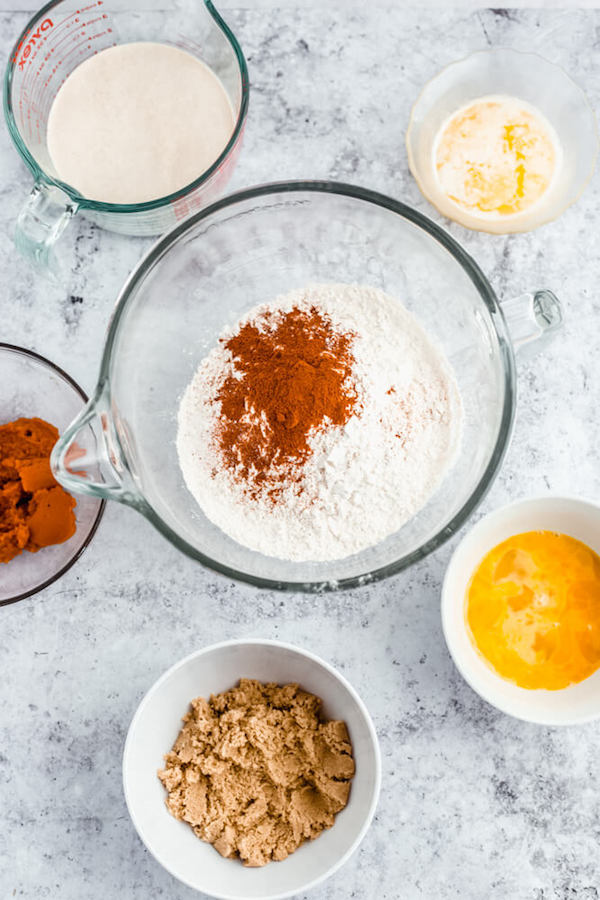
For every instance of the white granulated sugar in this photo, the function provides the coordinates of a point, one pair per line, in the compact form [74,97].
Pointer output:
[363,480]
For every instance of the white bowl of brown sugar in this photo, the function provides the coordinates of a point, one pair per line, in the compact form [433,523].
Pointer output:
[251,770]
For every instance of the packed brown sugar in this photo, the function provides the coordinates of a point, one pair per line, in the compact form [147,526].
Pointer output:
[35,511]
[256,770]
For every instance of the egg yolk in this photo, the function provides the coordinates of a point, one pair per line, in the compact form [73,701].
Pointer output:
[533,610]
[495,157]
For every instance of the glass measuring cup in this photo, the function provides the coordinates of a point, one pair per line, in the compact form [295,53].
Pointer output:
[243,250]
[55,41]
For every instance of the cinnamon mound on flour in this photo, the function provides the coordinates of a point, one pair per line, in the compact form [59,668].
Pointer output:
[256,771]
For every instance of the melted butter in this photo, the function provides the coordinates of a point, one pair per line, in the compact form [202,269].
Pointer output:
[496,157]
[533,610]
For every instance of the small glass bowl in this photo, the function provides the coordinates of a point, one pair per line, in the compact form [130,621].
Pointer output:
[531,78]
[33,386]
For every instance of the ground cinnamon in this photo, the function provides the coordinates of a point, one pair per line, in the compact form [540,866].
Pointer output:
[35,511]
[293,374]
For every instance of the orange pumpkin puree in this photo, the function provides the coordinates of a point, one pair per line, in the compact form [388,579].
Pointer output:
[35,511]
[533,610]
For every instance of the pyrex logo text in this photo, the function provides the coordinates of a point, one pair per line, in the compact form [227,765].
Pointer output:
[30,42]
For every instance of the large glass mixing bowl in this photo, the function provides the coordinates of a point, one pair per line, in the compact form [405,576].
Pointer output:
[244,250]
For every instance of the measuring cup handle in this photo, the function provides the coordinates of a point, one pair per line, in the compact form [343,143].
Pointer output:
[533,320]
[41,222]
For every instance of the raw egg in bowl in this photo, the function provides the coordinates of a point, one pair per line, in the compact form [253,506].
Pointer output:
[521,610]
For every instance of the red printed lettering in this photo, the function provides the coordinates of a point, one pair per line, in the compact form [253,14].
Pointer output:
[33,37]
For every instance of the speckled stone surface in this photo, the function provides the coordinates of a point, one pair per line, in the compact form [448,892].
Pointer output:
[474,804]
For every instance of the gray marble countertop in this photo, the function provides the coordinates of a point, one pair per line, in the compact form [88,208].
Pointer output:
[474,804]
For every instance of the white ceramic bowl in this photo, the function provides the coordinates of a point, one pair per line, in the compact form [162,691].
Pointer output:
[156,725]
[578,518]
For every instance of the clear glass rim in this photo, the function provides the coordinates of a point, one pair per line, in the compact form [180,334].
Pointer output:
[497,320]
[414,169]
[97,205]
[31,354]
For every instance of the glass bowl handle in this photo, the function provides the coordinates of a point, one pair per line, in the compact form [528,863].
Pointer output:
[87,458]
[533,320]
[41,222]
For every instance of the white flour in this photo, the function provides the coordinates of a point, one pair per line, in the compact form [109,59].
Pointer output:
[363,480]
